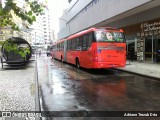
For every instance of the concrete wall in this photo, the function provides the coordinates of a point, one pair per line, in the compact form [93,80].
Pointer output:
[86,13]
[75,7]
[152,13]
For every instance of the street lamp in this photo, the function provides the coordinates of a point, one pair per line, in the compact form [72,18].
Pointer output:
[66,24]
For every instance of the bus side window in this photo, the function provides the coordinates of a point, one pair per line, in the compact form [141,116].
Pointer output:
[57,48]
[53,48]
[69,45]
[62,46]
[89,40]
[79,44]
[84,43]
[74,44]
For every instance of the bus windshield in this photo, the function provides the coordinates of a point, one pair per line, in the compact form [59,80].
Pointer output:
[109,36]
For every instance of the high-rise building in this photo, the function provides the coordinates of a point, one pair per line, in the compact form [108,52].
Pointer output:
[42,33]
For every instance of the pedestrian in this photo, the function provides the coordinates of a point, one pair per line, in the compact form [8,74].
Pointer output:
[39,53]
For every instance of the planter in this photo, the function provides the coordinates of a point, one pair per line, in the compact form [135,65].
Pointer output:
[16,49]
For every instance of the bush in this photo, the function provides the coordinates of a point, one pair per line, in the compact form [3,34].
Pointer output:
[11,46]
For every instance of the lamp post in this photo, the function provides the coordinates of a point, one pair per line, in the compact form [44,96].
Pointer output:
[66,24]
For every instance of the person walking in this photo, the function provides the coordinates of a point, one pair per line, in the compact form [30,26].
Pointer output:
[39,53]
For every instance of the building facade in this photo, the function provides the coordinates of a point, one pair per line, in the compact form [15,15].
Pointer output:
[39,33]
[140,20]
[42,31]
[5,33]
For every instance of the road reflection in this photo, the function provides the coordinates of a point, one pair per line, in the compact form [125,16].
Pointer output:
[70,89]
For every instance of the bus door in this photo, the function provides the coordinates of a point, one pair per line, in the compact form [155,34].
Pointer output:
[65,50]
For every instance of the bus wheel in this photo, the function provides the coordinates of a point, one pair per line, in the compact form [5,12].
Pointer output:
[77,63]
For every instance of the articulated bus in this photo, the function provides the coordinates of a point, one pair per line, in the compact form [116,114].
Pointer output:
[102,47]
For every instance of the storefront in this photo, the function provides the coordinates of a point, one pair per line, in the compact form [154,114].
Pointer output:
[144,40]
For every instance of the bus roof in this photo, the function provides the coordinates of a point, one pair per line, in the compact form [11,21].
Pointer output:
[59,41]
[87,31]
[92,29]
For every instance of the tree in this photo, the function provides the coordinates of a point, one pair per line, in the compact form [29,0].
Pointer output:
[11,9]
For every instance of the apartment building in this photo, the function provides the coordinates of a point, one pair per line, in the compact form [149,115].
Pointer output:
[5,33]
[140,20]
[42,31]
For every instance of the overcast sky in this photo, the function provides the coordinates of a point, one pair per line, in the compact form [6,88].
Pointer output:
[56,7]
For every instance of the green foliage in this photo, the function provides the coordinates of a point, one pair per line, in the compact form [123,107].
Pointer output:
[1,42]
[6,16]
[10,46]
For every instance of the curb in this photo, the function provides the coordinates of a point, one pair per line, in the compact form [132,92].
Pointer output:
[37,92]
[152,77]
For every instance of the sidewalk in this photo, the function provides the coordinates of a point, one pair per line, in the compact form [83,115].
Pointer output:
[145,69]
[17,89]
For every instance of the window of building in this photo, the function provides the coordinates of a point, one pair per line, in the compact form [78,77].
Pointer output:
[131,42]
[152,48]
[1,32]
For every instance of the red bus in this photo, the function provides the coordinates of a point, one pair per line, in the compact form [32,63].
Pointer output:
[102,47]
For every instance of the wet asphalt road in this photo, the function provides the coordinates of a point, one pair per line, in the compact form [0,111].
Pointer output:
[65,88]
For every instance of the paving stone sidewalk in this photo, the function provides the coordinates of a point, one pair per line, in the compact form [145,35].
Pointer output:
[17,89]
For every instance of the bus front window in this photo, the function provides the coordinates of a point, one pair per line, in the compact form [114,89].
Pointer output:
[111,36]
